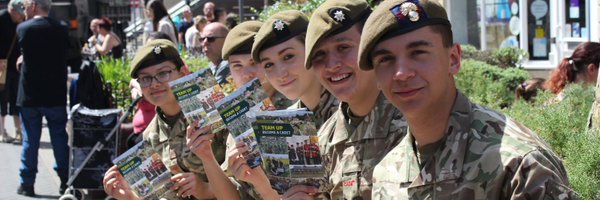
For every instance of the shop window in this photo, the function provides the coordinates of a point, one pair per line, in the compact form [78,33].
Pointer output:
[501,23]
[538,26]
[575,19]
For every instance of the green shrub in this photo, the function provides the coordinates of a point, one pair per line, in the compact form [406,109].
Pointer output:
[487,84]
[563,126]
[195,64]
[502,57]
[471,52]
[114,70]
[275,8]
[116,73]
[508,57]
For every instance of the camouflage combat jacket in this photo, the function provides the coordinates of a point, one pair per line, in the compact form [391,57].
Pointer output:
[169,142]
[328,105]
[326,108]
[485,156]
[280,101]
[350,153]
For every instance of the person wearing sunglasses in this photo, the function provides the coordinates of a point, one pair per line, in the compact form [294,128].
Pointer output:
[212,39]
[155,64]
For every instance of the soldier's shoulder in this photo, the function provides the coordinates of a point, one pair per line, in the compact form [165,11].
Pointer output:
[510,137]
[329,124]
[151,132]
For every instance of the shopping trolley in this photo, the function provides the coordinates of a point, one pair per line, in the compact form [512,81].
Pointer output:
[90,126]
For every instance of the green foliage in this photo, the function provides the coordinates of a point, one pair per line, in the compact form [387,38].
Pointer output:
[114,70]
[563,126]
[509,57]
[275,8]
[502,57]
[197,63]
[116,74]
[307,8]
[487,84]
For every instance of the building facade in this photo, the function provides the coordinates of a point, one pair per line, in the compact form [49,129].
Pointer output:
[548,30]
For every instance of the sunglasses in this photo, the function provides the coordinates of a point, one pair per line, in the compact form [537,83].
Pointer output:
[210,39]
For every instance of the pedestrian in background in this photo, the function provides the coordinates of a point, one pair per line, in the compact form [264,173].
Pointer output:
[581,67]
[161,21]
[111,46]
[42,91]
[9,52]
[212,38]
[209,11]
[192,35]
[186,22]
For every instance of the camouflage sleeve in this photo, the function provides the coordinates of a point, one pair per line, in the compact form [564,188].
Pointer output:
[219,146]
[540,175]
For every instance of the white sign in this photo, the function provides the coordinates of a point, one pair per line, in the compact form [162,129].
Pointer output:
[514,25]
[539,9]
[514,8]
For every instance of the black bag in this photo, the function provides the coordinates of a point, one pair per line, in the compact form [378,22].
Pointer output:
[91,90]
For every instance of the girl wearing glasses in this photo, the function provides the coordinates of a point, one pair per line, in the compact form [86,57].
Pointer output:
[157,63]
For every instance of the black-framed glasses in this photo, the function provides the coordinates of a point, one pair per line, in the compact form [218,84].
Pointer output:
[160,77]
[210,39]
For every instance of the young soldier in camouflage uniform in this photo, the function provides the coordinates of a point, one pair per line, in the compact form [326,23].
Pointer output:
[455,149]
[366,126]
[237,49]
[154,65]
[279,46]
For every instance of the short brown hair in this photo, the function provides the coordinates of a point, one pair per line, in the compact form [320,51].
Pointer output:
[445,32]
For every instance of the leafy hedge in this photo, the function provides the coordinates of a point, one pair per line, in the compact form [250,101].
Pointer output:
[116,74]
[563,126]
[489,85]
[502,57]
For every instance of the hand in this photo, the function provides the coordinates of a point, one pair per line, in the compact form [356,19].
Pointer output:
[187,184]
[135,88]
[239,168]
[301,192]
[116,186]
[199,140]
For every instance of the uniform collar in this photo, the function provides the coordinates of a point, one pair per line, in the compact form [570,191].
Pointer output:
[371,127]
[446,164]
[167,131]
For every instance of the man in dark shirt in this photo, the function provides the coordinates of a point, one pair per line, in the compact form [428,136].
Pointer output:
[185,23]
[9,52]
[42,90]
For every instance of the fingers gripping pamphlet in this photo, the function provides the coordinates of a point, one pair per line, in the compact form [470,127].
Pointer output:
[237,111]
[197,94]
[145,172]
[290,148]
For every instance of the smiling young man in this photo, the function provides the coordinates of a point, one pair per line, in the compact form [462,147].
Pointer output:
[454,149]
[366,126]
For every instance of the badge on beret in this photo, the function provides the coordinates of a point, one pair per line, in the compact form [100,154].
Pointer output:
[278,25]
[157,50]
[409,9]
[339,16]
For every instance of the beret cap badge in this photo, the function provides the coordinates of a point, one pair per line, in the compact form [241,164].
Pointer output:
[410,10]
[339,16]
[157,50]
[279,25]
